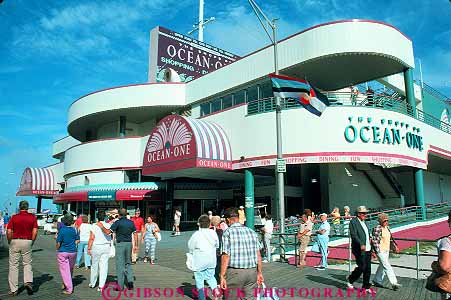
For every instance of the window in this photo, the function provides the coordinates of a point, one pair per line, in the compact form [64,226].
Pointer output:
[216,105]
[252,93]
[239,97]
[266,90]
[205,109]
[227,101]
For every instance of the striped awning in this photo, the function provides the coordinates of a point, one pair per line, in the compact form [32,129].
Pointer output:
[180,143]
[114,187]
[37,182]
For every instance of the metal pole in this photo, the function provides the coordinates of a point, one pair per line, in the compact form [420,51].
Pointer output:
[280,179]
[201,21]
[417,253]
[421,73]
[349,254]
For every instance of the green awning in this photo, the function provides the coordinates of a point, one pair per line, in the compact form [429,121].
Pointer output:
[114,187]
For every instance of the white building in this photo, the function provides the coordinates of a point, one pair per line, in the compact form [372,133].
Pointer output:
[161,145]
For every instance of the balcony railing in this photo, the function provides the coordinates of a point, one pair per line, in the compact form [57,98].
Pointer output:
[380,101]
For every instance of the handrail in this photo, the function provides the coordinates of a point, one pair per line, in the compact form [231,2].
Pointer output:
[285,236]
[377,100]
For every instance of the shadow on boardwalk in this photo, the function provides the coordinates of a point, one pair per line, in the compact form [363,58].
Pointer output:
[170,272]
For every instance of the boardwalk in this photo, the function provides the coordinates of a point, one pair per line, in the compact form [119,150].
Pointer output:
[170,272]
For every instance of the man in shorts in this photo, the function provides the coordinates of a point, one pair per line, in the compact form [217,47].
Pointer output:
[304,235]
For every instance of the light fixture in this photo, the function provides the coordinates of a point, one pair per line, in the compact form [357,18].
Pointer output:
[314,180]
[348,173]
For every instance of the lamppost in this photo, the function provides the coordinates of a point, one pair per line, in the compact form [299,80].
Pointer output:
[280,161]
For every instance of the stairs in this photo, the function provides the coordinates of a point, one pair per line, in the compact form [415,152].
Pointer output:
[384,183]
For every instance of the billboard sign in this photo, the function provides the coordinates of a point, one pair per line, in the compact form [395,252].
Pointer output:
[183,58]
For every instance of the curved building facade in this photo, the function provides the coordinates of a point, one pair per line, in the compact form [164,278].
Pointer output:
[193,144]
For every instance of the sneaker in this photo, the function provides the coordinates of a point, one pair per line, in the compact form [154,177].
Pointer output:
[91,286]
[29,288]
[349,284]
[376,284]
[397,287]
[321,268]
[130,285]
[145,259]
[99,289]
[264,261]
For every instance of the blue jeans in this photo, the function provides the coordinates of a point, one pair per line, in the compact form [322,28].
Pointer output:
[202,276]
[83,246]
[323,241]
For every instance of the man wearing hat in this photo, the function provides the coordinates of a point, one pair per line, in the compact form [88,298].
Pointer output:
[361,248]
[241,262]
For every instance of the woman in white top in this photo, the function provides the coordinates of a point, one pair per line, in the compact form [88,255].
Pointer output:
[99,248]
[84,230]
[202,245]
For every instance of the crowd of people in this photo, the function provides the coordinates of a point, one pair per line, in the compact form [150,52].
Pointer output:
[223,252]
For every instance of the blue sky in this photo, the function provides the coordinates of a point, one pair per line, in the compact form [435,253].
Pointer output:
[53,52]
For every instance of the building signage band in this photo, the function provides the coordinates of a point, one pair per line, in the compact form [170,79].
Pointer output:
[389,132]
[188,57]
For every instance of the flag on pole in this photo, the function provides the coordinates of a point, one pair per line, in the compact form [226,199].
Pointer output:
[308,96]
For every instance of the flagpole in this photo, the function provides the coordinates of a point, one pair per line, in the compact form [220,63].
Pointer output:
[279,173]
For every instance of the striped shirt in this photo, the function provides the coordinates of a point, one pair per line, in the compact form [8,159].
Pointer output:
[241,244]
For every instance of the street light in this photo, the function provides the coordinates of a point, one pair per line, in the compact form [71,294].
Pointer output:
[279,174]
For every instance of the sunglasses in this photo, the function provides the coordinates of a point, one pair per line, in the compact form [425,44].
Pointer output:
[384,220]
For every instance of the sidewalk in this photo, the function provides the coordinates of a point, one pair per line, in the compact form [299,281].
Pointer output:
[170,272]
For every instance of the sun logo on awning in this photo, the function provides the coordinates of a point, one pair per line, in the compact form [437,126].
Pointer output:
[168,134]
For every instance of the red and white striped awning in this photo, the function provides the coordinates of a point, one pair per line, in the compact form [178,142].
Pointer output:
[181,143]
[37,182]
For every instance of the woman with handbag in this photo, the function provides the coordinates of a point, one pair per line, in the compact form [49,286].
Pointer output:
[383,242]
[149,237]
[100,249]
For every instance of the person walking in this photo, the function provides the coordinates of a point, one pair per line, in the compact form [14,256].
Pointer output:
[149,239]
[21,234]
[361,248]
[304,235]
[2,230]
[241,262]
[84,230]
[99,247]
[336,220]
[139,226]
[242,215]
[382,240]
[267,231]
[124,229]
[66,245]
[323,241]
[177,216]
[442,266]
[202,245]
[346,219]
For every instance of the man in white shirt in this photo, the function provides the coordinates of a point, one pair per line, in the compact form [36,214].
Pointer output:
[202,245]
[267,235]
[361,248]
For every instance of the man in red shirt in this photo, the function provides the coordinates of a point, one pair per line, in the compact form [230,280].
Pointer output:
[139,223]
[21,234]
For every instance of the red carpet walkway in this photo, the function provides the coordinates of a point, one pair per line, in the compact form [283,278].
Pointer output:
[427,232]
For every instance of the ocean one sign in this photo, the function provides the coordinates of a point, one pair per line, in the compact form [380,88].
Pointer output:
[186,56]
[182,143]
[383,131]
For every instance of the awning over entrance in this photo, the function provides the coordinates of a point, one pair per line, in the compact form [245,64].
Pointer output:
[180,143]
[37,182]
[71,197]
[109,192]
[134,195]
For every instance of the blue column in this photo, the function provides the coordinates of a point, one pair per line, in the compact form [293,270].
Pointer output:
[419,191]
[410,92]
[249,198]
